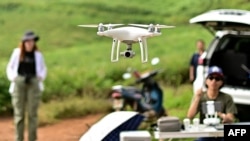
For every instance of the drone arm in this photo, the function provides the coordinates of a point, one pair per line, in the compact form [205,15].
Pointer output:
[115,49]
[144,49]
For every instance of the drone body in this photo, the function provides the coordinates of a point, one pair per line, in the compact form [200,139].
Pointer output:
[128,35]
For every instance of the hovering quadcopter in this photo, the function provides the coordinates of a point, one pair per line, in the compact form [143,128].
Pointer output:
[128,34]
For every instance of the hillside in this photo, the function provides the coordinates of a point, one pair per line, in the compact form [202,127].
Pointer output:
[56,21]
[79,61]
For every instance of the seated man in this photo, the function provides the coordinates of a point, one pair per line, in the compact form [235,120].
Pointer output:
[214,81]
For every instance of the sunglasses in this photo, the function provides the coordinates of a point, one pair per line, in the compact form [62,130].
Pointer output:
[215,78]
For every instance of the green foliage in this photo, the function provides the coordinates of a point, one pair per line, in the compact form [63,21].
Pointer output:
[78,60]
[177,100]
[5,98]
[70,108]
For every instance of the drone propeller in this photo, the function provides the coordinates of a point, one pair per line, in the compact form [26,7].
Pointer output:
[140,25]
[112,25]
[151,25]
[92,25]
[164,26]
[89,25]
[98,25]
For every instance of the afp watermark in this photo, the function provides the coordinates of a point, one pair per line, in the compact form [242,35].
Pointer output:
[237,131]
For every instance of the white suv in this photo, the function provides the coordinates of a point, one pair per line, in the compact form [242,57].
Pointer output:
[230,50]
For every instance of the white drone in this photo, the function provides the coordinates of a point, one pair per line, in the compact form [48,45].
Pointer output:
[128,35]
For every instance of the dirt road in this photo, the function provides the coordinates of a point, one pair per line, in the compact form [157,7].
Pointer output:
[65,130]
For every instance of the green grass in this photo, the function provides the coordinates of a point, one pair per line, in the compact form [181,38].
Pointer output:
[78,60]
[176,102]
[73,107]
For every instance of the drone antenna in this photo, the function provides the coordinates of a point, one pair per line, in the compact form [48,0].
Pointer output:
[144,49]
[115,50]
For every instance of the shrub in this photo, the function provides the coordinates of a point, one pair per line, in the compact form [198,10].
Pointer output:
[5,97]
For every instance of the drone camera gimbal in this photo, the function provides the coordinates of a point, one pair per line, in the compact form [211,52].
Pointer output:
[128,53]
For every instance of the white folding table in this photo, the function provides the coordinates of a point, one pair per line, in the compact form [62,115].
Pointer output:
[203,131]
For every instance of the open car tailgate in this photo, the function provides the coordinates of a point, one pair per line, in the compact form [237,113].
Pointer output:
[224,19]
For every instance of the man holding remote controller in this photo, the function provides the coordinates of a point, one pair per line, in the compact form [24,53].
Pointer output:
[214,81]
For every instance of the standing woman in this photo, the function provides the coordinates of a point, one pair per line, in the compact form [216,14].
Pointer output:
[26,70]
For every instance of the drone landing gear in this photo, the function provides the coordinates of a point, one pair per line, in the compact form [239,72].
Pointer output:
[144,49]
[115,47]
[115,51]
